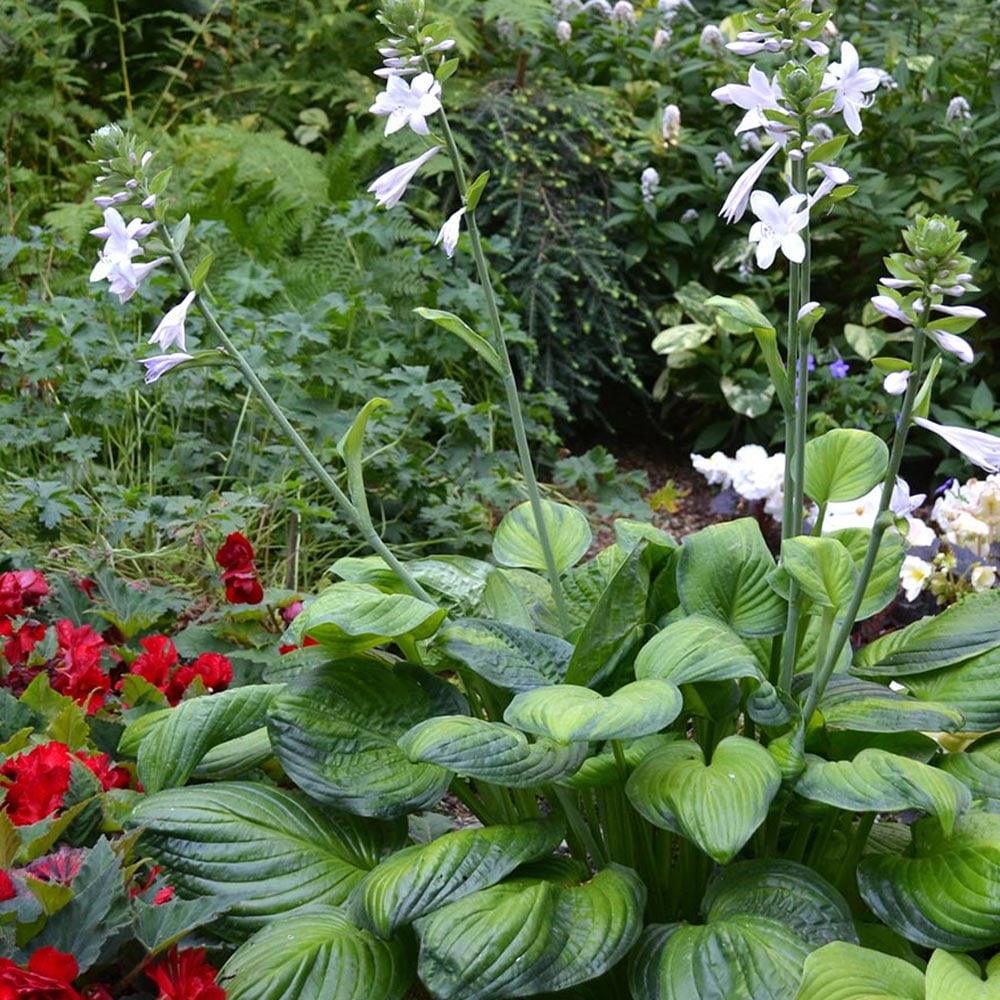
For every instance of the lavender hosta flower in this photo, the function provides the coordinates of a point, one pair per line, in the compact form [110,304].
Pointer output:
[712,41]
[649,182]
[980,448]
[749,43]
[125,277]
[888,306]
[162,363]
[778,227]
[953,344]
[833,177]
[895,383]
[170,330]
[958,109]
[121,240]
[408,103]
[759,94]
[671,128]
[391,186]
[851,85]
[722,162]
[449,233]
[739,194]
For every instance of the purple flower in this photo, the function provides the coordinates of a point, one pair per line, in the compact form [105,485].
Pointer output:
[839,368]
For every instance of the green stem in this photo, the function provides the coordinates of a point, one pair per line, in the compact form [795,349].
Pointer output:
[123,59]
[847,874]
[578,827]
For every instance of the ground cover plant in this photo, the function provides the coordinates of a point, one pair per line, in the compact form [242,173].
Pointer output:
[680,772]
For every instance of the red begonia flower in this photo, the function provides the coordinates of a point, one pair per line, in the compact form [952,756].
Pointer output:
[79,675]
[234,552]
[185,975]
[20,589]
[49,976]
[20,644]
[99,764]
[242,585]
[214,669]
[156,662]
[39,780]
[7,888]
[62,866]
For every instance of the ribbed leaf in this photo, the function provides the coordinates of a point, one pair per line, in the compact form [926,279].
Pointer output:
[234,758]
[978,768]
[883,584]
[602,769]
[877,781]
[490,751]
[823,569]
[510,657]
[957,977]
[317,953]
[172,749]
[528,936]
[516,542]
[718,806]
[947,894]
[842,971]
[515,597]
[265,849]
[844,464]
[568,713]
[971,687]
[335,730]
[723,572]
[419,879]
[695,648]
[851,703]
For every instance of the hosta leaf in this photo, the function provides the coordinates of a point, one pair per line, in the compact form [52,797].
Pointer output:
[171,751]
[978,768]
[718,806]
[957,977]
[528,936]
[947,894]
[883,585]
[966,629]
[317,953]
[508,656]
[602,769]
[695,648]
[264,849]
[844,464]
[823,569]
[419,879]
[723,572]
[351,617]
[516,542]
[335,731]
[877,781]
[234,758]
[568,713]
[490,751]
[842,971]
[851,703]
[971,687]
[515,597]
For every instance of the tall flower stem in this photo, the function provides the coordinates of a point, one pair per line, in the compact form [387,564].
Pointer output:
[361,523]
[509,381]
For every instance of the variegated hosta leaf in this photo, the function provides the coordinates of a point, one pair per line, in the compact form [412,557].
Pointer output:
[851,703]
[529,936]
[516,541]
[878,781]
[723,572]
[762,920]
[568,713]
[971,687]
[698,647]
[422,878]
[317,953]
[490,751]
[957,977]
[510,657]
[947,894]
[718,806]
[978,768]
[268,850]
[842,971]
[335,730]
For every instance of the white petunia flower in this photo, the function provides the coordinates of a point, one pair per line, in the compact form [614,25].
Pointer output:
[408,103]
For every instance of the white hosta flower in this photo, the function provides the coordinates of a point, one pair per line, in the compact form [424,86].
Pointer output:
[953,344]
[965,312]
[671,125]
[125,277]
[735,205]
[170,330]
[982,578]
[162,363]
[980,448]
[670,8]
[851,86]
[895,383]
[661,37]
[778,227]
[448,236]
[392,185]
[888,306]
[833,176]
[722,162]
[564,31]
[408,103]
[958,109]
[690,215]
[914,575]
[623,13]
[649,183]
[712,41]
[759,94]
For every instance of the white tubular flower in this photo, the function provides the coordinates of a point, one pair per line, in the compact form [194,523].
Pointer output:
[778,227]
[661,37]
[978,447]
[125,277]
[671,125]
[914,575]
[449,233]
[851,85]
[170,330]
[982,578]
[408,103]
[953,344]
[723,162]
[886,305]
[623,13]
[895,383]
[712,41]
[965,312]
[564,31]
[739,194]
[833,176]
[162,363]
[649,182]
[391,186]
[958,109]
[757,95]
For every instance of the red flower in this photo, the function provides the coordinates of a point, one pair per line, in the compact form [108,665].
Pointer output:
[185,975]
[61,867]
[7,888]
[162,895]
[214,669]
[156,662]
[49,976]
[234,552]
[80,676]
[20,589]
[235,556]
[17,649]
[88,586]
[39,782]
[100,765]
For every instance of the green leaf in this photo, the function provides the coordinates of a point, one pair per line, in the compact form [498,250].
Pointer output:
[510,657]
[516,542]
[568,713]
[971,687]
[335,730]
[865,341]
[200,272]
[883,585]
[602,769]
[266,851]
[515,597]
[723,572]
[851,703]
[718,806]
[946,894]
[743,310]
[957,977]
[317,953]
[420,879]
[978,768]
[475,190]
[461,329]
[529,936]
[490,751]
[844,464]
[351,449]
[843,971]
[747,392]
[878,781]
[351,617]
[823,569]
[234,758]
[684,337]
[173,747]
[158,926]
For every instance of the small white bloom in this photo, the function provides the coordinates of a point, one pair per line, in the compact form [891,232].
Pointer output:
[833,176]
[736,201]
[623,13]
[671,125]
[778,227]
[982,578]
[723,162]
[958,109]
[661,37]
[125,277]
[979,447]
[162,363]
[895,383]
[170,330]
[851,85]
[391,186]
[712,41]
[914,575]
[448,235]
[953,344]
[564,31]
[887,305]
[148,202]
[806,309]
[966,312]
[649,183]
[408,103]
[689,216]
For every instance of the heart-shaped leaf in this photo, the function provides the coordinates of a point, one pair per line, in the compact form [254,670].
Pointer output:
[851,703]
[843,971]
[844,464]
[335,729]
[971,687]
[516,542]
[490,751]
[883,584]
[419,879]
[529,936]
[823,569]
[515,597]
[317,953]
[603,769]
[718,806]
[957,977]
[568,713]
